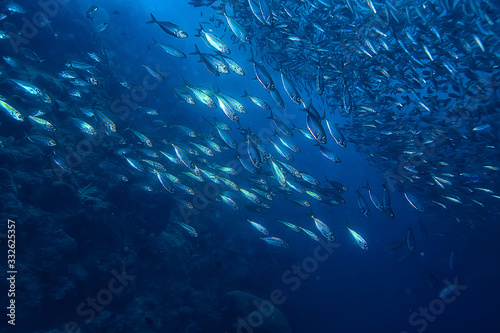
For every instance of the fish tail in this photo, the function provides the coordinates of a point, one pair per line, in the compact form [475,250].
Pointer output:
[153,19]
[367,186]
[245,93]
[199,31]
[223,9]
[271,116]
[197,50]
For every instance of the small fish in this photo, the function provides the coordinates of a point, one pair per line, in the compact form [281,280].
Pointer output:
[257,101]
[452,261]
[31,55]
[134,164]
[42,140]
[213,41]
[188,228]
[157,75]
[410,240]
[169,49]
[310,234]
[42,123]
[375,198]
[11,111]
[336,134]
[414,202]
[169,28]
[259,227]
[144,139]
[101,27]
[323,228]
[358,239]
[290,225]
[108,123]
[275,241]
[90,12]
[84,126]
[447,291]
[363,205]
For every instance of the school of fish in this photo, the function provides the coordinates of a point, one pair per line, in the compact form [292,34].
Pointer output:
[413,85]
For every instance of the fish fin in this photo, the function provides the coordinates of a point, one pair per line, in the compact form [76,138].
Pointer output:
[153,19]
[271,116]
[197,50]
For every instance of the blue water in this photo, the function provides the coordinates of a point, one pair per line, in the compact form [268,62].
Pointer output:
[68,252]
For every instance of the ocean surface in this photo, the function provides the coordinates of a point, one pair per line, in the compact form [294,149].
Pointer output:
[126,205]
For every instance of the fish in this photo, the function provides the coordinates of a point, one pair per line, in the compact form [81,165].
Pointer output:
[42,140]
[275,241]
[191,231]
[169,27]
[263,75]
[414,202]
[144,139]
[315,128]
[10,110]
[452,262]
[310,234]
[323,228]
[27,87]
[259,227]
[233,65]
[154,73]
[84,126]
[290,89]
[410,240]
[253,151]
[212,41]
[328,153]
[169,49]
[108,123]
[42,123]
[101,27]
[375,199]
[447,291]
[336,134]
[290,225]
[31,55]
[213,64]
[362,204]
[360,241]
[280,125]
[90,12]
[235,27]
[257,101]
